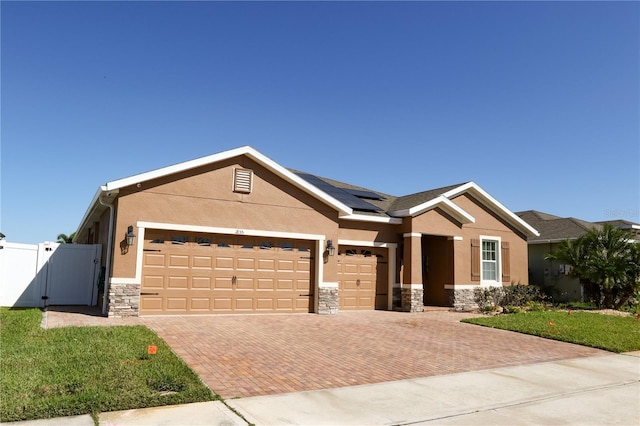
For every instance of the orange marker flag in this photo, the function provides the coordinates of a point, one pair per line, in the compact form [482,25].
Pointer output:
[152,349]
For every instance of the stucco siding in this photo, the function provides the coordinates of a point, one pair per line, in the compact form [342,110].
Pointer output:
[204,197]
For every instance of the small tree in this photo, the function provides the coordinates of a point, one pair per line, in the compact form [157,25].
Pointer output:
[65,239]
[606,261]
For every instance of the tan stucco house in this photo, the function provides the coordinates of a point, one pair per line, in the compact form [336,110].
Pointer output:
[235,232]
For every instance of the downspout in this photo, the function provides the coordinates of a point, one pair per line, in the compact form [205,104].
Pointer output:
[107,275]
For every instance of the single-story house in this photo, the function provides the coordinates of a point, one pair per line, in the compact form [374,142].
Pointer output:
[555,277]
[236,232]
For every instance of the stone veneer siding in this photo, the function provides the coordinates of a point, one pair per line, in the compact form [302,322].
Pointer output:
[124,300]
[328,302]
[412,300]
[461,300]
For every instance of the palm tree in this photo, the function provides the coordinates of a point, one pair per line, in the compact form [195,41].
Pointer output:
[606,261]
[66,239]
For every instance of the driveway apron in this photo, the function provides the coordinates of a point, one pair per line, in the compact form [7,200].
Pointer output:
[251,355]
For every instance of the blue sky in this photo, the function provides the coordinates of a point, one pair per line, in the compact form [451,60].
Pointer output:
[537,102]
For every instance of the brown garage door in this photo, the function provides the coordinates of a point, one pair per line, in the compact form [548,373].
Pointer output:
[188,273]
[362,278]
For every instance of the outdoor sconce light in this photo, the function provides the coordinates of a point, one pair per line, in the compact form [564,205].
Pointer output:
[131,237]
[331,248]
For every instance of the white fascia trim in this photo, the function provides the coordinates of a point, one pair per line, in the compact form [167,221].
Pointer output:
[243,150]
[494,205]
[367,243]
[468,286]
[413,286]
[412,235]
[441,201]
[93,206]
[375,219]
[228,231]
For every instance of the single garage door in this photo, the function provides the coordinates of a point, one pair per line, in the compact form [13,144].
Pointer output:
[188,273]
[362,278]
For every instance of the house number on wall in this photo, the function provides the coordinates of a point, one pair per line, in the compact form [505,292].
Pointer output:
[239,231]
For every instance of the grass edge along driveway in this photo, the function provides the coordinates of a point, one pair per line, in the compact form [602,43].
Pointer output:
[609,332]
[87,370]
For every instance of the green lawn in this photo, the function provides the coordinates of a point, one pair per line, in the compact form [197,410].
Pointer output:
[86,370]
[608,332]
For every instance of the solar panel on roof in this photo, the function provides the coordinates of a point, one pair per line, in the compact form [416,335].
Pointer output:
[369,195]
[339,194]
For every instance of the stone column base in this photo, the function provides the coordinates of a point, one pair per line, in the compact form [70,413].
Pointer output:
[461,299]
[328,302]
[124,300]
[412,299]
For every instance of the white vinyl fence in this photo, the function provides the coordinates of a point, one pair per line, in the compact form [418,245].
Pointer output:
[38,275]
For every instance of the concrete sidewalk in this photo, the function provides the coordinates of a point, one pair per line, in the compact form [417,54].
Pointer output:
[600,390]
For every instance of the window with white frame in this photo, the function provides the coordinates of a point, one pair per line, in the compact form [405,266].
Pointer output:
[490,259]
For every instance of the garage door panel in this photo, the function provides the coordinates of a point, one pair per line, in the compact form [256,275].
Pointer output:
[284,284]
[201,283]
[151,304]
[265,284]
[178,261]
[286,265]
[244,304]
[268,265]
[202,262]
[153,282]
[246,264]
[224,263]
[264,304]
[222,283]
[177,282]
[176,304]
[200,304]
[154,259]
[223,304]
[284,304]
[244,284]
[303,266]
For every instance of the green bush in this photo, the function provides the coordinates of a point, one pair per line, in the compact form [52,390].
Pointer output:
[517,295]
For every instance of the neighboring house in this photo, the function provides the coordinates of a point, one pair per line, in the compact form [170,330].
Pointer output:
[553,276]
[236,232]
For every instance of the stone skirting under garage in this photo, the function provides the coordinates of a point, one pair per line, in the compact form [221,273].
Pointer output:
[124,300]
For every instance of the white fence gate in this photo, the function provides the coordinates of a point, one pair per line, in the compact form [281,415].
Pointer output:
[49,274]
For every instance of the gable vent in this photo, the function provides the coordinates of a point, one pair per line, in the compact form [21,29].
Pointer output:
[242,179]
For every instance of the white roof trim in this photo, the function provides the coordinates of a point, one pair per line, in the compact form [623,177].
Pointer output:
[114,186]
[375,219]
[244,150]
[441,201]
[482,196]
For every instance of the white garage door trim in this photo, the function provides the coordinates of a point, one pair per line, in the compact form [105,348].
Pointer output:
[393,248]
[142,226]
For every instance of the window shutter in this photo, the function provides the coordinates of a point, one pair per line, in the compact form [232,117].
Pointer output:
[475,260]
[506,264]
[242,179]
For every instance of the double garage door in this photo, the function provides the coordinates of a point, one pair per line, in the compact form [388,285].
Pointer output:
[189,273]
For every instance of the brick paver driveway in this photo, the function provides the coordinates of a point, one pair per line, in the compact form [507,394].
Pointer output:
[239,356]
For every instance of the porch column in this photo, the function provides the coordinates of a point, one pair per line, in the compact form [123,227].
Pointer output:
[412,286]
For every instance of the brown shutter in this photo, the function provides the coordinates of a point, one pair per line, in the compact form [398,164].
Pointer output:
[475,260]
[506,264]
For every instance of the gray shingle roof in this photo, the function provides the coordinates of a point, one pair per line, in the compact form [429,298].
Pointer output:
[554,227]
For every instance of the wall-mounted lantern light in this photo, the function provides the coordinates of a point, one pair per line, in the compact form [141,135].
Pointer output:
[131,237]
[331,248]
